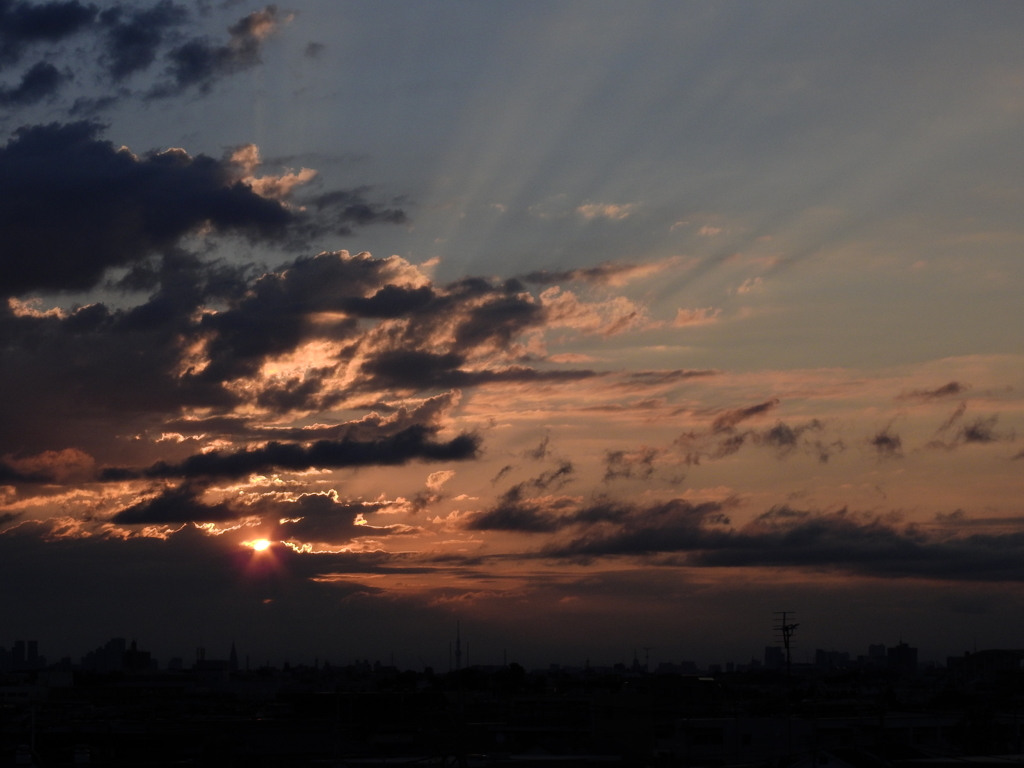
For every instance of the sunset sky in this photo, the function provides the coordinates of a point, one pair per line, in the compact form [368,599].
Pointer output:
[594,326]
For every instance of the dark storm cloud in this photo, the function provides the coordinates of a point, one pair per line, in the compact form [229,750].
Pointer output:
[516,513]
[72,205]
[132,38]
[887,444]
[344,209]
[731,418]
[24,23]
[90,375]
[319,517]
[83,378]
[952,389]
[41,81]
[199,63]
[182,504]
[696,536]
[412,443]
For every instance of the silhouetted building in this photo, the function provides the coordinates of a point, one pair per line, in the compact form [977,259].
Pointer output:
[18,656]
[134,660]
[831,659]
[987,663]
[107,658]
[774,657]
[903,659]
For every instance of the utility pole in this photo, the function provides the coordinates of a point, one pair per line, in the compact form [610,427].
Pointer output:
[784,631]
[458,646]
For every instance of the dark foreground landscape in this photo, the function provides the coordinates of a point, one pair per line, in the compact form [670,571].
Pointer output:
[115,709]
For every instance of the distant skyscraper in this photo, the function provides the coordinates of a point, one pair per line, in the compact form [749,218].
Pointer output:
[903,659]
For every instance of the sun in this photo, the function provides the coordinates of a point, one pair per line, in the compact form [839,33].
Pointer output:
[260,545]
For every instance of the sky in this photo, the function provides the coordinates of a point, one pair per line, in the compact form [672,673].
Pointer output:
[591,326]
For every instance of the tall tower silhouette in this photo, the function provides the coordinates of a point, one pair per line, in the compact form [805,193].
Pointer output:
[458,646]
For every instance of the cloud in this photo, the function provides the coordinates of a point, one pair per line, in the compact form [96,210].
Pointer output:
[199,63]
[416,370]
[409,444]
[722,439]
[698,316]
[39,82]
[952,389]
[323,518]
[23,24]
[954,432]
[750,285]
[606,318]
[309,517]
[72,206]
[64,466]
[132,38]
[625,465]
[664,378]
[327,331]
[181,504]
[556,477]
[731,418]
[887,444]
[540,452]
[684,534]
[610,211]
[515,512]
[607,273]
[981,430]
